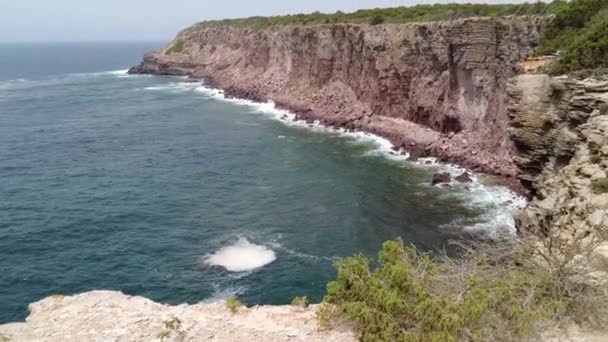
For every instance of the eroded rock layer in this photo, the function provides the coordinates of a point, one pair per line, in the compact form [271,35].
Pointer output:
[435,88]
[560,129]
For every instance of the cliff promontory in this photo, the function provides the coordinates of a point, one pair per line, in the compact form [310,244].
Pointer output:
[436,88]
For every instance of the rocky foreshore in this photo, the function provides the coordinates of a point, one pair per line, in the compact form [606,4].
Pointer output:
[433,89]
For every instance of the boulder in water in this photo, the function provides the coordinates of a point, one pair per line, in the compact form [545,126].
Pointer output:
[465,177]
[441,178]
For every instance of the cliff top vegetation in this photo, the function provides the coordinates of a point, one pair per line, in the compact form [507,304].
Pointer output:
[578,30]
[395,15]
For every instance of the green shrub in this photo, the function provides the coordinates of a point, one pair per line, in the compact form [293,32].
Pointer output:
[233,304]
[377,20]
[600,186]
[177,47]
[388,15]
[579,30]
[596,158]
[301,302]
[413,296]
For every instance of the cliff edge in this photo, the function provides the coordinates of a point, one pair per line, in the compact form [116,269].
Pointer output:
[113,316]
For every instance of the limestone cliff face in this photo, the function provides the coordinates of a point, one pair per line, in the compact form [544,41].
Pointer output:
[560,129]
[437,88]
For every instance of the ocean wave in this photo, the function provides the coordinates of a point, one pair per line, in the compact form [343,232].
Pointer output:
[301,255]
[53,80]
[18,83]
[241,256]
[175,87]
[496,202]
[497,205]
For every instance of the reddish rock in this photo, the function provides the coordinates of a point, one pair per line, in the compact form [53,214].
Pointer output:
[465,177]
[441,178]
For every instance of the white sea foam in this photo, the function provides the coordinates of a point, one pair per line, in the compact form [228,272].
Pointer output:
[175,87]
[242,256]
[118,72]
[498,204]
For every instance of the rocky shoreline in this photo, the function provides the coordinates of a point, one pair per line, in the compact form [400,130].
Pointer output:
[455,90]
[432,89]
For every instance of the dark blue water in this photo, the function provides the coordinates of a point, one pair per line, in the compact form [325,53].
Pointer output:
[128,183]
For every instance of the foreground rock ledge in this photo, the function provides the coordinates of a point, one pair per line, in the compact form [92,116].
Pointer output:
[113,316]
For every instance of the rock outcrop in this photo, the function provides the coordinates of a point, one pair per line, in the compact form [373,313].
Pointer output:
[438,87]
[560,129]
[113,316]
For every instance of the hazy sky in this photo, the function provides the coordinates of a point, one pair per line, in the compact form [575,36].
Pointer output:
[88,20]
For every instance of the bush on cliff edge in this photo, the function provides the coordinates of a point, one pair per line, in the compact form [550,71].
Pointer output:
[579,30]
[414,296]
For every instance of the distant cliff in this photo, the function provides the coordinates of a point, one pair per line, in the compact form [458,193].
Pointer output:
[436,88]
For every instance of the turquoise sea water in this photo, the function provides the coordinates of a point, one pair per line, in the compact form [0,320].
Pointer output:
[155,186]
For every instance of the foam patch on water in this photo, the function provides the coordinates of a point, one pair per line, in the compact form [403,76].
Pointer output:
[175,87]
[497,204]
[241,257]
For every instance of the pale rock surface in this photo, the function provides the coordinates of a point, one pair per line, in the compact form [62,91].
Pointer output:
[561,134]
[112,316]
[103,316]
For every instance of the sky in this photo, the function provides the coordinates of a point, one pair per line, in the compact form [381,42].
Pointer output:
[157,20]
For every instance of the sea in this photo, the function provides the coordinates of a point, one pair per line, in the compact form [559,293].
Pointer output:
[162,187]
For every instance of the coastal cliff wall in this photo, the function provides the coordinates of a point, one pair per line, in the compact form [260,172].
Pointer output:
[560,129]
[436,88]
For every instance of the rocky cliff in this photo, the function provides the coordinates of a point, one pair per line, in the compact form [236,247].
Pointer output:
[434,88]
[560,129]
